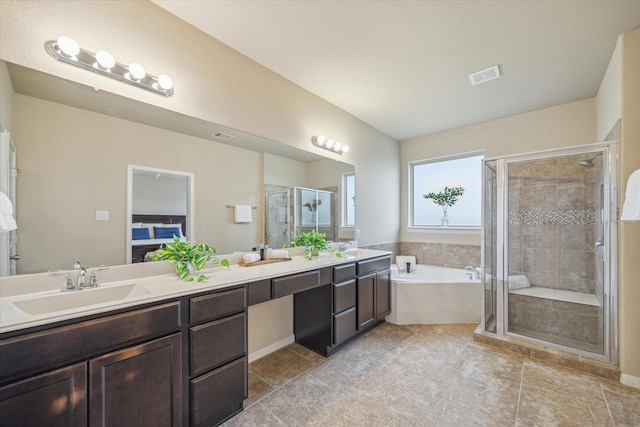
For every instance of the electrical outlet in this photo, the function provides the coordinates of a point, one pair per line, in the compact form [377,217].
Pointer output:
[102,215]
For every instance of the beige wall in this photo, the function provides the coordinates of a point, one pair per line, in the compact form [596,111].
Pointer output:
[609,98]
[629,232]
[212,82]
[6,97]
[561,126]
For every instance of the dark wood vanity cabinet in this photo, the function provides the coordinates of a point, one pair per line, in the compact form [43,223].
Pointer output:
[328,317]
[217,373]
[56,398]
[138,385]
[119,369]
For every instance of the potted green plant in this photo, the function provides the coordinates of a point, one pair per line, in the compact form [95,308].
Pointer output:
[312,241]
[445,198]
[188,258]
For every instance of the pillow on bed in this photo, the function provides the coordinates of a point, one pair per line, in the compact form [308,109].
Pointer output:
[140,233]
[166,232]
[172,226]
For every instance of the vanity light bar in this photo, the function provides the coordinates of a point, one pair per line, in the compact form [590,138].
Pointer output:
[329,144]
[66,50]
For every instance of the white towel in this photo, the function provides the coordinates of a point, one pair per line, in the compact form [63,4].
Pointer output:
[518,281]
[631,207]
[402,261]
[243,213]
[251,257]
[7,222]
[279,253]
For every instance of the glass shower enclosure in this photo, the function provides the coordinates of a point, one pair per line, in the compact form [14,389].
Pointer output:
[296,210]
[549,249]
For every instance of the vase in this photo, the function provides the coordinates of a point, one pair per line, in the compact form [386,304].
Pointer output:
[444,222]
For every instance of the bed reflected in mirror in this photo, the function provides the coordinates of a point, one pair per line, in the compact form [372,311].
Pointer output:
[159,207]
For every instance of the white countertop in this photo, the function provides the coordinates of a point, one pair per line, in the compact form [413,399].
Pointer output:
[153,288]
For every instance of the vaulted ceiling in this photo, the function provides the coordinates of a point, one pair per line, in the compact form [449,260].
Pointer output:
[402,66]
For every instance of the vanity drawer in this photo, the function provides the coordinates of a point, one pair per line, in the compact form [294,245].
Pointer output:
[218,342]
[219,304]
[259,291]
[344,295]
[344,326]
[67,344]
[344,272]
[372,265]
[325,276]
[295,283]
[218,394]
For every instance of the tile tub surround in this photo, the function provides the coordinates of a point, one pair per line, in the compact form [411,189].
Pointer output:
[424,375]
[442,254]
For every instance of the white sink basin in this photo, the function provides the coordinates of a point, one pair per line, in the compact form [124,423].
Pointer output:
[73,299]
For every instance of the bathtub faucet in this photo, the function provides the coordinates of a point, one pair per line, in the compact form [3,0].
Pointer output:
[476,271]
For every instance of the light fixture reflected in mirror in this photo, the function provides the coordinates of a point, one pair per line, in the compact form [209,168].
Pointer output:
[66,50]
[329,144]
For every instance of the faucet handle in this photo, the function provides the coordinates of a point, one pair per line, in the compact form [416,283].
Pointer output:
[68,283]
[93,278]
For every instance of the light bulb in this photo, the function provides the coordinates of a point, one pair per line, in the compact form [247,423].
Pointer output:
[329,143]
[320,140]
[165,82]
[105,60]
[68,46]
[345,148]
[136,71]
[337,147]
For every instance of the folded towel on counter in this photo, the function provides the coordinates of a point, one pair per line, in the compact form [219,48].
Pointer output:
[251,257]
[242,213]
[7,221]
[518,282]
[278,253]
[402,261]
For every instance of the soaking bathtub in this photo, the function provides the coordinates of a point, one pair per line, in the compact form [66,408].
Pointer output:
[432,294]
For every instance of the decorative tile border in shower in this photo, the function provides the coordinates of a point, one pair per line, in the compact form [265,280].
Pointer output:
[553,217]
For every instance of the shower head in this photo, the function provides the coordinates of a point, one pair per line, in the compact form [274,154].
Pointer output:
[588,163]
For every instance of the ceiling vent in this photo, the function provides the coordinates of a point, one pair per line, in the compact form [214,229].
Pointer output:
[223,136]
[485,75]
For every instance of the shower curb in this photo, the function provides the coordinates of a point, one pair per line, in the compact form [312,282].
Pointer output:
[544,354]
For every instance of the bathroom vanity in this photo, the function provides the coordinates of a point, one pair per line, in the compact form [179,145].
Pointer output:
[178,354]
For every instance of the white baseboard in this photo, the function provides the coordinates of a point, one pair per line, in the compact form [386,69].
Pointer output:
[271,348]
[630,380]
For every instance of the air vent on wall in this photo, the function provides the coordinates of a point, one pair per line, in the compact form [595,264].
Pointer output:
[485,75]
[223,136]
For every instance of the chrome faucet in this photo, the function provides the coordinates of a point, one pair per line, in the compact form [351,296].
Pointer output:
[476,271]
[81,281]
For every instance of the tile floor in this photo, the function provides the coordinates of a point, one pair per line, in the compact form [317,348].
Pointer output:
[427,375]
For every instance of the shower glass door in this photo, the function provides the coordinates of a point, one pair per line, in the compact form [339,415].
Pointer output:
[489,246]
[556,283]
[278,218]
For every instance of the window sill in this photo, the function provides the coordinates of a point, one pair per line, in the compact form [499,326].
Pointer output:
[446,230]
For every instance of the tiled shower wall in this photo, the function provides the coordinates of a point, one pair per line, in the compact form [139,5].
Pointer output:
[551,223]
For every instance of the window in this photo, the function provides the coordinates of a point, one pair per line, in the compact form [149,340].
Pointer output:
[349,199]
[432,176]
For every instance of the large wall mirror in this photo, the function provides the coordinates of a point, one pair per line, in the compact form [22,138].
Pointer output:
[75,145]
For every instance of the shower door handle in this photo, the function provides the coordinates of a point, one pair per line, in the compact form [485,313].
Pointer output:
[598,244]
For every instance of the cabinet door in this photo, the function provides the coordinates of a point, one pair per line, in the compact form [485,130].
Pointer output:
[57,398]
[138,386]
[383,303]
[366,301]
